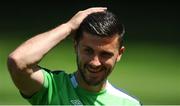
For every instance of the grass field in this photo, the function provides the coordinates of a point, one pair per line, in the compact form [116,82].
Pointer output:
[149,70]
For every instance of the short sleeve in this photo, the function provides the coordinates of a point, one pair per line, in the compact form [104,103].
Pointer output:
[55,89]
[42,96]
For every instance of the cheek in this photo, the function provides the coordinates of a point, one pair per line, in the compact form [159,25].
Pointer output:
[116,57]
[83,58]
[110,62]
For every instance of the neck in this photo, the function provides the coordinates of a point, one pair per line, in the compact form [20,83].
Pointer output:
[83,84]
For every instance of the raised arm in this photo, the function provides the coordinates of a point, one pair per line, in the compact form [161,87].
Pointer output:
[23,62]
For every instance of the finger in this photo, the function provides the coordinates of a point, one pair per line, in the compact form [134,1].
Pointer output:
[96,9]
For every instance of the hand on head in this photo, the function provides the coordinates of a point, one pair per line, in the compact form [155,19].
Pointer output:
[76,20]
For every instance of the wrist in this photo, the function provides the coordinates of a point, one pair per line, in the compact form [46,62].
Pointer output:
[67,27]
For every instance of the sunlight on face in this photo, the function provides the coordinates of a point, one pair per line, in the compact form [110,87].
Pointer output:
[96,57]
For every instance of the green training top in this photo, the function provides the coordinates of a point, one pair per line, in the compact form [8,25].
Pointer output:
[60,88]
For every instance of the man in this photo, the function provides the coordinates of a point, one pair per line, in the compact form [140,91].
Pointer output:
[98,46]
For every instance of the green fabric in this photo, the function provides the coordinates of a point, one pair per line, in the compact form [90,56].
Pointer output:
[58,89]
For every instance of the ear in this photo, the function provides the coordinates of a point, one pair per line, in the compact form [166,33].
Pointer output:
[121,51]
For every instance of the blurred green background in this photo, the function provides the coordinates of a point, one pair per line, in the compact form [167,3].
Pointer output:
[150,66]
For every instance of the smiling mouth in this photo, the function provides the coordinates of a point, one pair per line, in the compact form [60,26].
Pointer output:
[94,70]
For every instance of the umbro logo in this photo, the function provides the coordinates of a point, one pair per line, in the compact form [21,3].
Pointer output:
[76,102]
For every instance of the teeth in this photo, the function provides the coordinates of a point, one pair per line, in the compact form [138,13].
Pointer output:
[93,70]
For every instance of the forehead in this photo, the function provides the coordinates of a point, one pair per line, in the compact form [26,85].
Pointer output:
[99,42]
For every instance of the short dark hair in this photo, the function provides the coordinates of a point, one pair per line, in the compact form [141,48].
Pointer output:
[102,24]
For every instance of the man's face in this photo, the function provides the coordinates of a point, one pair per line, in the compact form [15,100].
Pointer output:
[96,57]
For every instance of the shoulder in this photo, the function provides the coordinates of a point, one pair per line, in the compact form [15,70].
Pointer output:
[57,78]
[54,76]
[53,72]
[118,93]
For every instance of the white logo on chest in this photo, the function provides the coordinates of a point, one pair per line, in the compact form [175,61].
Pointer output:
[76,102]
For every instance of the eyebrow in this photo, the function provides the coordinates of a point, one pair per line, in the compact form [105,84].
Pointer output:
[85,46]
[108,52]
[103,51]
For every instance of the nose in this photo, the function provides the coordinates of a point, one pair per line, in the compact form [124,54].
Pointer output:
[95,62]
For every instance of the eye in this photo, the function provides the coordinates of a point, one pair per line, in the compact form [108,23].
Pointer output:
[88,51]
[107,55]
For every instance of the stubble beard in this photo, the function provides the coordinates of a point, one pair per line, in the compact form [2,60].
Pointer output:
[82,68]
